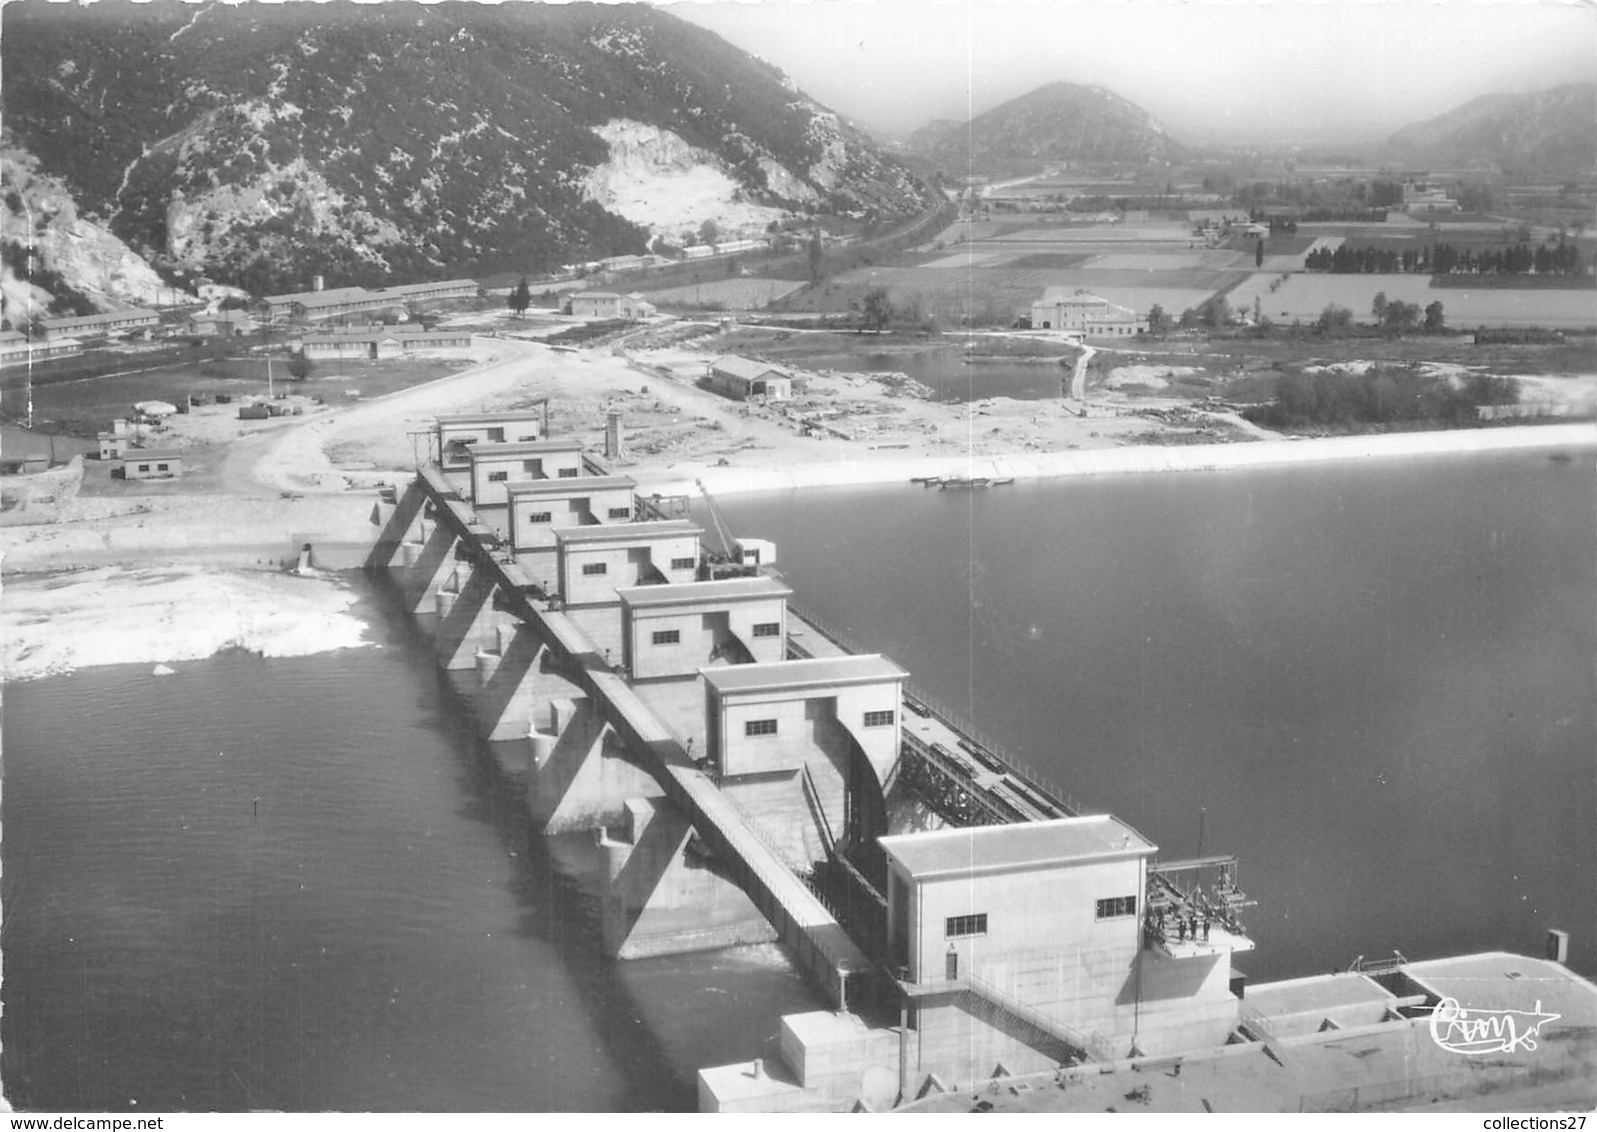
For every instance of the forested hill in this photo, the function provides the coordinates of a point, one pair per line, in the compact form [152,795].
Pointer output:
[263,143]
[1550,131]
[1058,122]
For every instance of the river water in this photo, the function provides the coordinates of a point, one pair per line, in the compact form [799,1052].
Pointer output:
[298,884]
[1374,684]
[951,376]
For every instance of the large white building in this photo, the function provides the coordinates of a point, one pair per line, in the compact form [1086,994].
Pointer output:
[1081,312]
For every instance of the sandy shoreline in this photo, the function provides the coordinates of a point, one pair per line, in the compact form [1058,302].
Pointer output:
[1121,461]
[175,585]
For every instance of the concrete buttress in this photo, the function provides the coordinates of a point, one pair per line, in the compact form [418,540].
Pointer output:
[466,616]
[665,895]
[396,523]
[507,678]
[429,564]
[579,772]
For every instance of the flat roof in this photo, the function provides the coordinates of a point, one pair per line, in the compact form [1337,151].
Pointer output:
[870,668]
[411,288]
[517,448]
[1315,992]
[698,593]
[1499,980]
[335,294]
[569,485]
[97,319]
[1002,848]
[628,532]
[488,418]
[152,454]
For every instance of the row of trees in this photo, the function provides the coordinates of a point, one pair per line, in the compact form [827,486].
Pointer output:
[1381,395]
[1562,258]
[1320,196]
[1396,316]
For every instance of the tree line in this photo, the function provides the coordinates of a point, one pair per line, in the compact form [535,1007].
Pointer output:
[1562,258]
[1380,395]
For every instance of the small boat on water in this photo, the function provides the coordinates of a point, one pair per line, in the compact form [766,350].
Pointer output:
[926,481]
[965,483]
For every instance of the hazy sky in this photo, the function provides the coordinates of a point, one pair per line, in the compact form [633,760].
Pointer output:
[1216,71]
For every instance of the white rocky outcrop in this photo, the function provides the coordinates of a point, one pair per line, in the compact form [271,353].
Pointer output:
[826,129]
[169,614]
[657,180]
[82,252]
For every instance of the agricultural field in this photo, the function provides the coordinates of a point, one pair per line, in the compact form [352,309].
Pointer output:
[727,294]
[992,276]
[1302,297]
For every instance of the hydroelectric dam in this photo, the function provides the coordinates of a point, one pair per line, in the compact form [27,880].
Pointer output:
[734,762]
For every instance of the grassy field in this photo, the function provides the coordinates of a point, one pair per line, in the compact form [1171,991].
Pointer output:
[84,406]
[997,296]
[1302,297]
[727,294]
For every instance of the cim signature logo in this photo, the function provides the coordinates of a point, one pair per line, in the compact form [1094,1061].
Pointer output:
[1460,1029]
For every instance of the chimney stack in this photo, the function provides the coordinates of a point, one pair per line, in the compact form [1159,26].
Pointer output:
[612,435]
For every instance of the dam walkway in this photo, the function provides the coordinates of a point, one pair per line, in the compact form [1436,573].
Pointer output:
[985,785]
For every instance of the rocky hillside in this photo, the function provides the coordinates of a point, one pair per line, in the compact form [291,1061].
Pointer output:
[1057,122]
[56,262]
[264,143]
[1549,131]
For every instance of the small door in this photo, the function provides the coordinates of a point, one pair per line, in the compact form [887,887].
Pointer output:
[951,965]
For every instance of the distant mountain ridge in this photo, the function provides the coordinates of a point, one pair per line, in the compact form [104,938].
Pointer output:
[266,143]
[1058,122]
[1549,131]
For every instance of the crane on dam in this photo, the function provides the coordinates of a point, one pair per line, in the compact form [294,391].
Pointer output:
[736,558]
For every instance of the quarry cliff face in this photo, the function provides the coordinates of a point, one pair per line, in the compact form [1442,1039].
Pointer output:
[658,181]
[261,144]
[71,257]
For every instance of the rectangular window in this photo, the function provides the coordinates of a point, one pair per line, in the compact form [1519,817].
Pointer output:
[595,568]
[620,512]
[668,637]
[540,517]
[496,436]
[768,629]
[878,719]
[682,563]
[144,467]
[533,466]
[1117,906]
[498,477]
[957,926]
[568,473]
[162,467]
[759,727]
[534,436]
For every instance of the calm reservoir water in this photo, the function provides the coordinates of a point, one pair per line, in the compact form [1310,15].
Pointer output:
[946,373]
[1373,684]
[381,931]
[1376,684]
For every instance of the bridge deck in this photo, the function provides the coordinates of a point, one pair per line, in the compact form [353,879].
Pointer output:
[820,943]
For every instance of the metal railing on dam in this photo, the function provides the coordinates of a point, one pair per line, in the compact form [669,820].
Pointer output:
[999,784]
[818,941]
